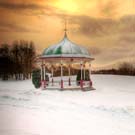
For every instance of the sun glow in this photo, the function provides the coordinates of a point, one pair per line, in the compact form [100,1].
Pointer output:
[67,5]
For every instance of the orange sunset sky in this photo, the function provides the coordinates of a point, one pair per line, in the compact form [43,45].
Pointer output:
[105,27]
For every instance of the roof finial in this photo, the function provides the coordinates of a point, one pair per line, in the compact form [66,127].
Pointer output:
[65,28]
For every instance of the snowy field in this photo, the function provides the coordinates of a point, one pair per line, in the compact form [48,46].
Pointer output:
[109,110]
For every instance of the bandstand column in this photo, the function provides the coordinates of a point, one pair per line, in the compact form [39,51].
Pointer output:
[90,75]
[41,73]
[69,71]
[81,81]
[52,75]
[42,79]
[44,75]
[84,71]
[62,75]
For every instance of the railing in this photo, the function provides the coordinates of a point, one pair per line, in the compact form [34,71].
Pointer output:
[66,83]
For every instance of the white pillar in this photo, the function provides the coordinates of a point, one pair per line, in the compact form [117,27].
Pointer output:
[84,71]
[81,71]
[44,75]
[90,71]
[52,74]
[61,74]
[81,81]
[41,72]
[61,70]
[42,78]
[69,70]
[90,75]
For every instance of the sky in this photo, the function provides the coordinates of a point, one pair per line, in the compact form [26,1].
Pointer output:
[105,27]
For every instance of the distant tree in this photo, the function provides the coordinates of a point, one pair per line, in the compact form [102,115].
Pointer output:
[32,55]
[6,63]
[15,52]
[4,50]
[126,69]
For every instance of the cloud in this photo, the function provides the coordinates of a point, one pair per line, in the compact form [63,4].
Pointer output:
[120,48]
[128,24]
[28,8]
[95,51]
[98,27]
[22,6]
[11,27]
[108,8]
[35,8]
[94,27]
[127,40]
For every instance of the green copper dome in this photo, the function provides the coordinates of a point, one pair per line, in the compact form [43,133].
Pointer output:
[66,48]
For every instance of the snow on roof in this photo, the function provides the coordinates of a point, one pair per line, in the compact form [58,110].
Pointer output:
[66,48]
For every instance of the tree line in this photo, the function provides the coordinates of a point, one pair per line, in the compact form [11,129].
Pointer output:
[17,60]
[125,68]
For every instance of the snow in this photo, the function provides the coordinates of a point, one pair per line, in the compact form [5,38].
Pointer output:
[109,110]
[66,48]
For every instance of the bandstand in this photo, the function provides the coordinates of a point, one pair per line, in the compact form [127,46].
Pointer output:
[70,54]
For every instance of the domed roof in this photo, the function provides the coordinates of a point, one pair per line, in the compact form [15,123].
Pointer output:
[66,48]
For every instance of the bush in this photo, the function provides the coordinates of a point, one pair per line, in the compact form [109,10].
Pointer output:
[78,78]
[36,78]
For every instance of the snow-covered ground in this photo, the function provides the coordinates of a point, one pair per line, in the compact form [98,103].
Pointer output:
[109,110]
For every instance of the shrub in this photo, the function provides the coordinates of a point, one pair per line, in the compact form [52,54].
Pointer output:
[36,78]
[78,78]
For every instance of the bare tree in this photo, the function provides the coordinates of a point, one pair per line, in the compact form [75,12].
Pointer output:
[17,60]
[126,68]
